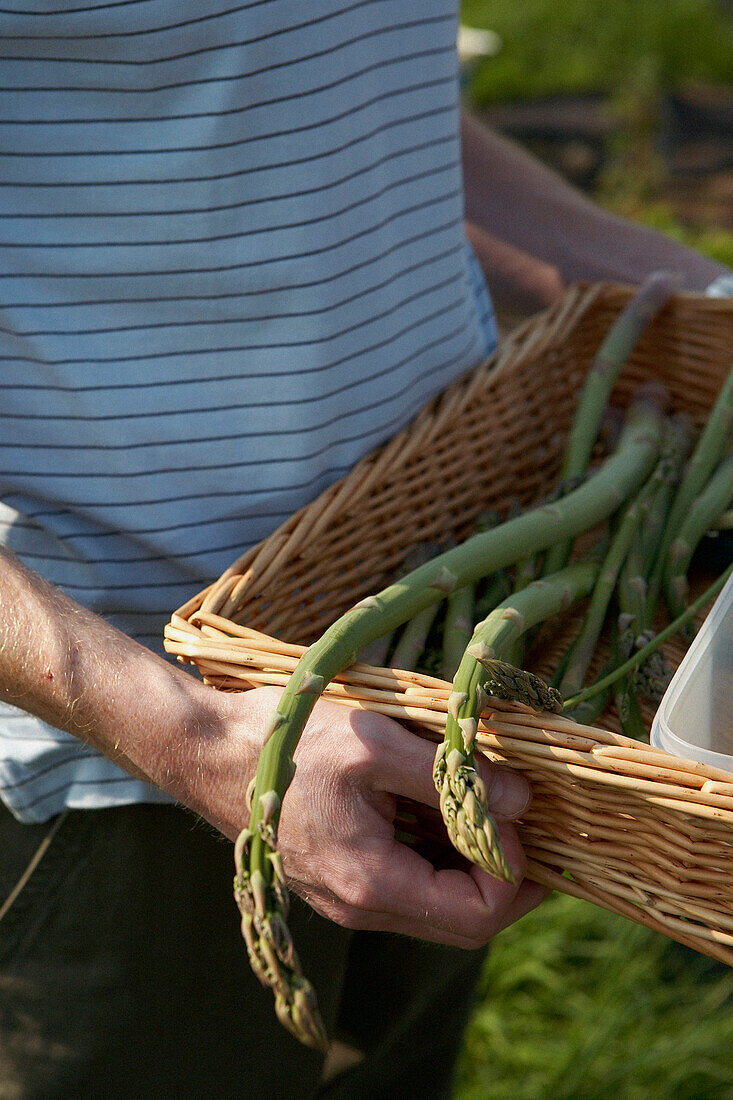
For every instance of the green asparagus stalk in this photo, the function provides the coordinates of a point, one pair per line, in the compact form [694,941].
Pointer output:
[524,563]
[526,571]
[495,589]
[632,586]
[588,712]
[636,659]
[631,592]
[677,439]
[529,568]
[634,602]
[625,333]
[413,639]
[263,904]
[484,670]
[704,513]
[610,428]
[258,889]
[710,450]
[376,652]
[629,712]
[460,611]
[457,629]
[624,690]
[584,646]
[525,567]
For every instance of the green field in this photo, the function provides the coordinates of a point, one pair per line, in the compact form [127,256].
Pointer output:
[579,1004]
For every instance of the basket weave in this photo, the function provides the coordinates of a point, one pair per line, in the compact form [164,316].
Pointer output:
[613,821]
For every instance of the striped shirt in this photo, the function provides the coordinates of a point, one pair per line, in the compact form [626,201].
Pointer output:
[233,262]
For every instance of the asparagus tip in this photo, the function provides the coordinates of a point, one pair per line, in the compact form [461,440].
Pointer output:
[463,804]
[263,907]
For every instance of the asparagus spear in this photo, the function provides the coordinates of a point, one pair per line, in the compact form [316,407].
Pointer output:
[460,611]
[376,652]
[677,439]
[627,707]
[258,889]
[483,669]
[525,565]
[635,607]
[625,333]
[495,589]
[413,639]
[624,690]
[634,628]
[709,451]
[530,567]
[584,646]
[526,571]
[588,712]
[633,586]
[458,628]
[636,659]
[704,513]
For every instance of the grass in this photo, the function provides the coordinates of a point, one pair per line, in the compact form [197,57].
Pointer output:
[579,1003]
[591,45]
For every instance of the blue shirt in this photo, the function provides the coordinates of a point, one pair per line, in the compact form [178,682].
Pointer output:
[233,262]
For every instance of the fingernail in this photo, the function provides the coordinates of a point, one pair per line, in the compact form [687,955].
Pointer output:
[510,794]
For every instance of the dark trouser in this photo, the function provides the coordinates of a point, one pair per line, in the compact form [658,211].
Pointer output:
[123,975]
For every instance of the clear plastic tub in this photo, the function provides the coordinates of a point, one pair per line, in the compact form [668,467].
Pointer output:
[695,718]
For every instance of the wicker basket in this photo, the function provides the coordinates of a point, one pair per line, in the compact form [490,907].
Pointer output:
[613,821]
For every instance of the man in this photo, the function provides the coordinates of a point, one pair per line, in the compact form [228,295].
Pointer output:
[234,262]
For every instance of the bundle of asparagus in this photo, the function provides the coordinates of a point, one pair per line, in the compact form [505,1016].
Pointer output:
[623,577]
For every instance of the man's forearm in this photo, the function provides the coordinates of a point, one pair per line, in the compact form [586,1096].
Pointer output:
[515,197]
[74,670]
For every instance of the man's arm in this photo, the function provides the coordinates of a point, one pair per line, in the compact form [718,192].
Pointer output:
[519,282]
[71,668]
[515,198]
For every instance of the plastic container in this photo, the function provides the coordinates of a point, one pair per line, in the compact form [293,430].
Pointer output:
[695,718]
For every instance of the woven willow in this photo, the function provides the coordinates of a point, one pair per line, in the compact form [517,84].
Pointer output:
[613,821]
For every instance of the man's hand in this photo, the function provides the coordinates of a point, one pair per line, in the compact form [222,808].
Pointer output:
[337,838]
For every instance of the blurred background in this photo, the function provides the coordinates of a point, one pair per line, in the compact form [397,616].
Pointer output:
[632,101]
